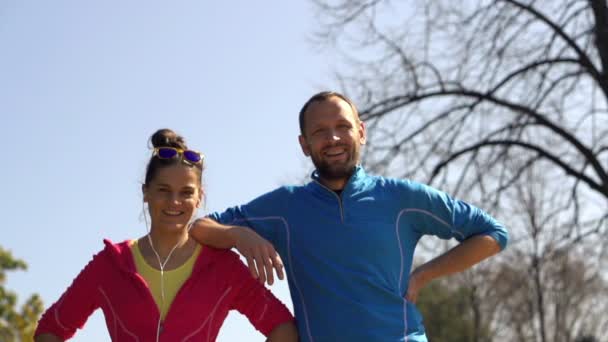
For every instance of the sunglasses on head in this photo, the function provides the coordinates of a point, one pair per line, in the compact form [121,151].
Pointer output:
[191,156]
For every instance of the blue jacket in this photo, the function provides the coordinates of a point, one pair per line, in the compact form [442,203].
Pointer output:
[348,257]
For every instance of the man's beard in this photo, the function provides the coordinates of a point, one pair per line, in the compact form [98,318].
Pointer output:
[336,171]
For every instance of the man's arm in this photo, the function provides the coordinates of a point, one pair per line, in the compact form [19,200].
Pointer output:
[468,253]
[260,254]
[209,232]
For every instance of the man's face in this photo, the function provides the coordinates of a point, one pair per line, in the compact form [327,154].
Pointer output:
[332,138]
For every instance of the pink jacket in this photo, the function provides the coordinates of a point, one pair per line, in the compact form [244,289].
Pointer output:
[219,283]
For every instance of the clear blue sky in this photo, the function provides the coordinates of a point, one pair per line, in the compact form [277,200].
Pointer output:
[83,84]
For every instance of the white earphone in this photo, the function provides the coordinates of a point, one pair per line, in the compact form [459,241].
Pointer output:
[161,264]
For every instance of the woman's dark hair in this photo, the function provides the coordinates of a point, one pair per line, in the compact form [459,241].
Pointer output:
[167,138]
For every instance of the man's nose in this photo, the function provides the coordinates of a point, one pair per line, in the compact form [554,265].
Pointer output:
[333,135]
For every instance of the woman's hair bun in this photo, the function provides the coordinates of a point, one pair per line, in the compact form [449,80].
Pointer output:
[165,137]
[168,138]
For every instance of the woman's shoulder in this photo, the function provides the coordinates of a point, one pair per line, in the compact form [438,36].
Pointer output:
[119,248]
[219,255]
[114,253]
[226,264]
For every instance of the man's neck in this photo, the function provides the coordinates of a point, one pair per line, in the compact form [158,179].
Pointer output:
[335,185]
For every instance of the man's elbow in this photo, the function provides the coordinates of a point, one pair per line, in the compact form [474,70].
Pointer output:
[500,237]
[206,231]
[200,228]
[494,245]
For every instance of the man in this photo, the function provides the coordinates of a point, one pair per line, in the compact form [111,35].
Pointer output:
[348,238]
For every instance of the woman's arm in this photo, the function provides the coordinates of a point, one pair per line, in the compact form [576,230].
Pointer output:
[61,320]
[48,338]
[267,314]
[285,332]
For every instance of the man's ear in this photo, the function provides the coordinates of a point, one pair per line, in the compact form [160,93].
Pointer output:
[362,133]
[304,145]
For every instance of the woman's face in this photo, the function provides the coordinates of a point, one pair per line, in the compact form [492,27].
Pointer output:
[173,196]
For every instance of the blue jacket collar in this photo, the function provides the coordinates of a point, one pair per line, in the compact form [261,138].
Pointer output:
[355,181]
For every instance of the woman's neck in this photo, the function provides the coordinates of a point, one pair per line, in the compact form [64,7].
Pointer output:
[164,242]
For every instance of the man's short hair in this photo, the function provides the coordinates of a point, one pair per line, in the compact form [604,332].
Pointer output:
[320,97]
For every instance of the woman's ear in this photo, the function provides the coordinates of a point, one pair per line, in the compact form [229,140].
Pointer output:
[144,192]
[201,195]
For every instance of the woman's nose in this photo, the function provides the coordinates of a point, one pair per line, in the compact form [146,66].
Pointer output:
[174,198]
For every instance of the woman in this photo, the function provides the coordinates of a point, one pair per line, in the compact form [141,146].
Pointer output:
[164,286]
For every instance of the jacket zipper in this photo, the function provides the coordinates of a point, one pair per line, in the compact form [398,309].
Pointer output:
[142,282]
[338,197]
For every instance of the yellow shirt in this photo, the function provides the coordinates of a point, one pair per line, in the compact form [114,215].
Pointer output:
[172,280]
